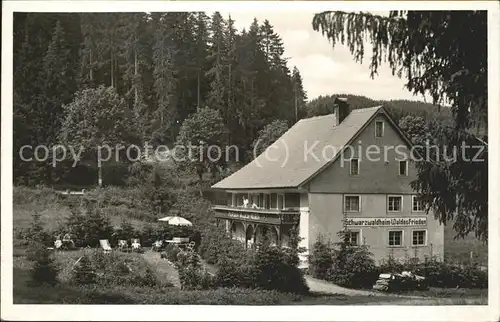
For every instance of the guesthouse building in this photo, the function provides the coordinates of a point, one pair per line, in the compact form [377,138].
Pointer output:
[350,170]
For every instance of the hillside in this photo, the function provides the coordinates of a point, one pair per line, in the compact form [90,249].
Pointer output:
[397,108]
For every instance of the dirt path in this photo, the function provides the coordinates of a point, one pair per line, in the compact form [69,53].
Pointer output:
[316,285]
[320,286]
[164,269]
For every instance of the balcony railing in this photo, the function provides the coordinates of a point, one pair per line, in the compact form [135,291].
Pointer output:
[259,215]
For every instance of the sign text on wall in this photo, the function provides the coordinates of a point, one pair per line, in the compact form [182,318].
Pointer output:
[243,216]
[386,222]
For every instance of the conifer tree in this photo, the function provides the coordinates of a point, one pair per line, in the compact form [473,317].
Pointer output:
[217,56]
[164,75]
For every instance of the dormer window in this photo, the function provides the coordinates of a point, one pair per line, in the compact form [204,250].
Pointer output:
[379,129]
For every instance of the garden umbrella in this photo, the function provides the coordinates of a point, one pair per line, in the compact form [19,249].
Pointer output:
[176,221]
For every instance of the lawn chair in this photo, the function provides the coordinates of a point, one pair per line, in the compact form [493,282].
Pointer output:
[123,245]
[191,245]
[157,246]
[105,245]
[58,244]
[136,245]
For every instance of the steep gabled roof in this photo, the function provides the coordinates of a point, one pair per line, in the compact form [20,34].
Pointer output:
[287,162]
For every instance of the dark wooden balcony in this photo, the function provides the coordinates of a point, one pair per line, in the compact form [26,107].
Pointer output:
[258,215]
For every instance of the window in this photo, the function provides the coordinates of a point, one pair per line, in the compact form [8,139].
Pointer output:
[254,200]
[352,238]
[403,168]
[396,238]
[239,199]
[395,203]
[351,203]
[379,129]
[354,168]
[418,238]
[274,201]
[417,204]
[267,201]
[281,201]
[261,200]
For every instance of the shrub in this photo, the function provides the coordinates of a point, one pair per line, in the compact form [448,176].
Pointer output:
[391,265]
[138,173]
[89,226]
[44,270]
[446,275]
[272,269]
[230,274]
[193,278]
[439,273]
[34,234]
[353,266]
[148,235]
[171,252]
[217,247]
[158,190]
[83,273]
[321,259]
[126,231]
[192,274]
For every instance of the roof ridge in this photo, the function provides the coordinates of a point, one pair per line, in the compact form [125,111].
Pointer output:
[354,110]
[367,108]
[312,118]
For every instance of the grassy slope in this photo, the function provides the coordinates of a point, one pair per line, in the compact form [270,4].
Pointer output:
[53,209]
[459,249]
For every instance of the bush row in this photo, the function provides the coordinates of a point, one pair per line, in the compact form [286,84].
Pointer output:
[86,228]
[353,266]
[440,273]
[263,267]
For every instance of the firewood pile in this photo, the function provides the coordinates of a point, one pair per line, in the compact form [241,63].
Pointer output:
[395,282]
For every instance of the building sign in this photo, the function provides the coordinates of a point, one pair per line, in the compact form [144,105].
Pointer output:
[386,222]
[244,216]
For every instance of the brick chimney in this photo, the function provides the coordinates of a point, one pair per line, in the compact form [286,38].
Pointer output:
[340,110]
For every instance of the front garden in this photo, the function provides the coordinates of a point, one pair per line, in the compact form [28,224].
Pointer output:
[218,270]
[353,266]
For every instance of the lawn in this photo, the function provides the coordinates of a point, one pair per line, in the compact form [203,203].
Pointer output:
[54,209]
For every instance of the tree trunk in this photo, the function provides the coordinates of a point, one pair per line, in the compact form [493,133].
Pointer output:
[99,175]
[136,93]
[112,72]
[91,67]
[198,98]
